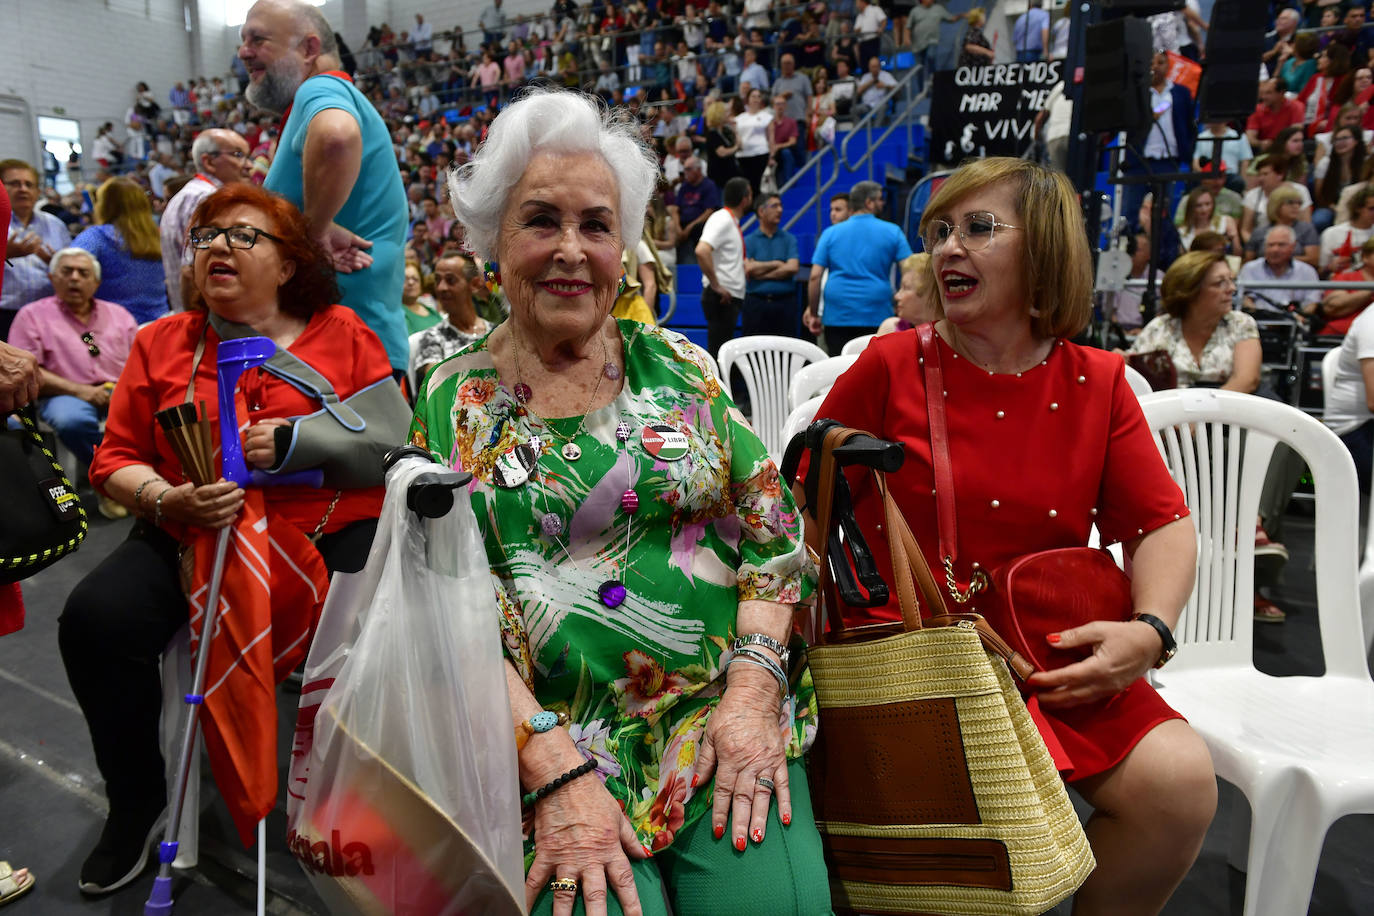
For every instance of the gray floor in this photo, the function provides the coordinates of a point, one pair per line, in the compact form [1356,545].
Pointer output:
[52,802]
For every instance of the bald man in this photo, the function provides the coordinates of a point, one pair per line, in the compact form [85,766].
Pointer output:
[221,157]
[334,160]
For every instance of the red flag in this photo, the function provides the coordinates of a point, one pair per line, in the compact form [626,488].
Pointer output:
[273,588]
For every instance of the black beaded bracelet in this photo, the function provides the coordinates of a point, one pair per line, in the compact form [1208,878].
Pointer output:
[557,782]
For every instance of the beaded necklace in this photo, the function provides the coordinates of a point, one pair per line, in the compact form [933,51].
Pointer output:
[524,394]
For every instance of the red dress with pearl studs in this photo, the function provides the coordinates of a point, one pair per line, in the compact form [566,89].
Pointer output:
[1039,457]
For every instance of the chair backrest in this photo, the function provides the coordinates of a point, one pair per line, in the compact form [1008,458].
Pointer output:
[1329,362]
[856,346]
[816,379]
[1217,445]
[1137,383]
[800,418]
[767,364]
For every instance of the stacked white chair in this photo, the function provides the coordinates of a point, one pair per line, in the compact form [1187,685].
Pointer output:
[1299,748]
[857,345]
[767,364]
[816,379]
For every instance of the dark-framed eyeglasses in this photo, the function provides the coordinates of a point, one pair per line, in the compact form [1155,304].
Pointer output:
[92,347]
[243,237]
[975,231]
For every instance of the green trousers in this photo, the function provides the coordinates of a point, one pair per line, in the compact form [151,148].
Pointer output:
[699,875]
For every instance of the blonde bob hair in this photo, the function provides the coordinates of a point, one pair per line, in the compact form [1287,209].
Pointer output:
[924,279]
[1183,281]
[1277,198]
[1056,265]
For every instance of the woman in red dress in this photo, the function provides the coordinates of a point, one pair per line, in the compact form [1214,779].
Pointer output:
[1046,440]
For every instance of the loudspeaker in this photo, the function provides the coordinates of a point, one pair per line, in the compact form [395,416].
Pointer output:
[1139,7]
[1116,75]
[1230,74]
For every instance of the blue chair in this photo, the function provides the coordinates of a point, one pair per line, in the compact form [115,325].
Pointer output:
[688,279]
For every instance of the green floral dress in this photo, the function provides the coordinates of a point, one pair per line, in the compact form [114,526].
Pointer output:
[712,528]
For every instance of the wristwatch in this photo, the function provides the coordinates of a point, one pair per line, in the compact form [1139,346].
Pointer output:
[1166,636]
[537,724]
[761,639]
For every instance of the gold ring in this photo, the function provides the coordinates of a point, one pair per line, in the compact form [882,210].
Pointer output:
[563,884]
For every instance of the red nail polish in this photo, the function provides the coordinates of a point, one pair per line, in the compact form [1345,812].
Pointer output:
[1053,638]
[739,843]
[648,851]
[695,780]
[757,835]
[720,831]
[786,819]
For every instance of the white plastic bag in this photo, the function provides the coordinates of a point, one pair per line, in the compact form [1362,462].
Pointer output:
[404,795]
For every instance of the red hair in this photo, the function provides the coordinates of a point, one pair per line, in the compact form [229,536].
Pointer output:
[312,286]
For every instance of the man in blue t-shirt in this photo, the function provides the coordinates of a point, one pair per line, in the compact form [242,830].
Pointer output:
[334,160]
[770,270]
[860,254]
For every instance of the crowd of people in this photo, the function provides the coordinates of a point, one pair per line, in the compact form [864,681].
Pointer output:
[341,203]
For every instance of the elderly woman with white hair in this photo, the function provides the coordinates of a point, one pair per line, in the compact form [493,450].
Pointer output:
[81,343]
[645,556]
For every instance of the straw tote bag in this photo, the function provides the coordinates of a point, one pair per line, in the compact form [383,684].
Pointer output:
[932,788]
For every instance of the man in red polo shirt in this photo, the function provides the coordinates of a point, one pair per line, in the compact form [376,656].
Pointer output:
[1274,112]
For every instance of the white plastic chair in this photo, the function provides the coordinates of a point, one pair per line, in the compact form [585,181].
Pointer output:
[1299,748]
[856,346]
[767,364]
[1329,362]
[816,379]
[800,418]
[1137,383]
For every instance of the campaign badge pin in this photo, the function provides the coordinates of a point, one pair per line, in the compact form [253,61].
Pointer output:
[664,442]
[513,468]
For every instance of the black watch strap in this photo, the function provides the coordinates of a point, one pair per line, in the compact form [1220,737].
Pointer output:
[1166,637]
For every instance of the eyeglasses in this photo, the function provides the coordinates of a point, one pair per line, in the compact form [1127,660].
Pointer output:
[975,231]
[232,153]
[91,346]
[239,236]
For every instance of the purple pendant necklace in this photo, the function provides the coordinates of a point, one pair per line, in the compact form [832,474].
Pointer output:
[611,592]
[570,451]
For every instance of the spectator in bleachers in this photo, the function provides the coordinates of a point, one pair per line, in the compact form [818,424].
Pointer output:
[457,278]
[795,87]
[697,198]
[1349,115]
[493,23]
[1333,63]
[1273,113]
[720,254]
[785,152]
[1200,214]
[81,343]
[1235,150]
[753,76]
[924,25]
[1337,311]
[125,242]
[869,23]
[874,89]
[1342,243]
[1285,209]
[820,117]
[1350,399]
[859,253]
[352,196]
[33,238]
[976,50]
[421,310]
[1270,172]
[752,125]
[1280,44]
[1297,62]
[1122,307]
[1031,32]
[221,157]
[770,265]
[1166,142]
[1354,37]
[1290,146]
[1334,173]
[1278,263]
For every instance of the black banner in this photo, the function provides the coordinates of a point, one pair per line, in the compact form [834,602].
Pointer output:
[988,111]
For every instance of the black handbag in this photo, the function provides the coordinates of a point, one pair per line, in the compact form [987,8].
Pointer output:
[43,519]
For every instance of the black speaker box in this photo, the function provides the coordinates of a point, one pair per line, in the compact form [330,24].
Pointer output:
[1116,75]
[1112,8]
[1230,74]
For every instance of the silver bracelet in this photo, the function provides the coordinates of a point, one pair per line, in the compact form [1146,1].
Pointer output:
[138,493]
[762,639]
[157,506]
[759,660]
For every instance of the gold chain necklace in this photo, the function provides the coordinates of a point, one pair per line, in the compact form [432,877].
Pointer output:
[524,394]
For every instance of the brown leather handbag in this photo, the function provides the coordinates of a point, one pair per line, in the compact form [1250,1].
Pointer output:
[932,788]
[1158,368]
[1032,595]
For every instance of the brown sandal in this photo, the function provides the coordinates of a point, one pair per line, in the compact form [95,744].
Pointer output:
[11,887]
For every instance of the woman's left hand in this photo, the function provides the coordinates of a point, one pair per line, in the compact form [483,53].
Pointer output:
[260,442]
[743,743]
[1122,652]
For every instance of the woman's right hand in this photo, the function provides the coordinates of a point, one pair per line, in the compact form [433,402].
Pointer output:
[581,833]
[211,506]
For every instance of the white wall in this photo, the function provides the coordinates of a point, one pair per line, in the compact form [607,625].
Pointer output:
[84,56]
